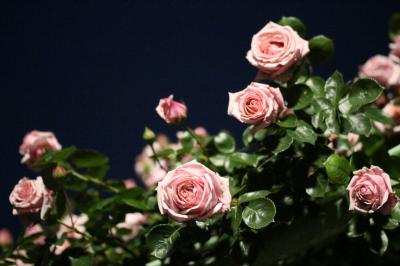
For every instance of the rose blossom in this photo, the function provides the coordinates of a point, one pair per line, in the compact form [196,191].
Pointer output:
[381,69]
[395,50]
[133,222]
[33,230]
[129,183]
[6,238]
[193,192]
[171,111]
[31,196]
[276,48]
[392,110]
[36,143]
[75,221]
[259,105]
[370,190]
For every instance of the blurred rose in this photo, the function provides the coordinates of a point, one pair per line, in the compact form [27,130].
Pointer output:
[36,229]
[193,192]
[392,110]
[35,144]
[72,221]
[6,238]
[30,197]
[259,105]
[171,111]
[370,191]
[275,49]
[129,183]
[395,50]
[133,222]
[381,69]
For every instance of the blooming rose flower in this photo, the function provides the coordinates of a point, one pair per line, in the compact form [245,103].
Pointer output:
[75,221]
[259,105]
[370,191]
[392,110]
[31,196]
[171,111]
[133,222]
[381,69]
[275,49]
[395,50]
[35,144]
[36,229]
[193,192]
[6,238]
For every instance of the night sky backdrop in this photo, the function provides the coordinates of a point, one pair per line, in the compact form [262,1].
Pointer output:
[93,73]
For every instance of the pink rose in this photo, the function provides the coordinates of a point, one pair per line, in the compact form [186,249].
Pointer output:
[30,197]
[75,221]
[35,144]
[193,192]
[129,183]
[381,69]
[370,191]
[133,222]
[6,238]
[259,105]
[148,169]
[171,111]
[395,50]
[392,110]
[33,230]
[275,49]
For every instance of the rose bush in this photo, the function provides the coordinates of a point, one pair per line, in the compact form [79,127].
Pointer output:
[313,181]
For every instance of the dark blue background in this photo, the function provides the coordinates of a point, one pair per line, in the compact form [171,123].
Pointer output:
[93,73]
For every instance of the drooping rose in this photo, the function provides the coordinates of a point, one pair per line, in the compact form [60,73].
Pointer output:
[259,105]
[370,191]
[393,110]
[35,144]
[30,197]
[381,69]
[171,111]
[6,238]
[193,192]
[133,222]
[275,49]
[395,50]
[33,230]
[72,221]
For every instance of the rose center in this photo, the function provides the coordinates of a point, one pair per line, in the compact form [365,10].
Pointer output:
[271,47]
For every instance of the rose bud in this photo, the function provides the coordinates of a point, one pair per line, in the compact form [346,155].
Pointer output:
[133,222]
[395,50]
[259,105]
[171,111]
[31,197]
[59,171]
[193,192]
[6,238]
[129,183]
[275,49]
[35,144]
[381,69]
[370,191]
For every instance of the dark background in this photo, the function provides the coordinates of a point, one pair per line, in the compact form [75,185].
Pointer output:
[93,73]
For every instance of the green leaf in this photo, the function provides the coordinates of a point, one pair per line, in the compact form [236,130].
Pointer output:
[283,144]
[138,204]
[218,160]
[360,124]
[259,213]
[236,218]
[305,99]
[377,115]
[164,153]
[161,239]
[394,26]
[241,159]
[247,136]
[338,169]
[294,23]
[331,121]
[249,196]
[363,92]
[224,142]
[334,88]
[88,158]
[82,261]
[289,121]
[303,133]
[320,188]
[56,156]
[317,85]
[321,49]
[395,151]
